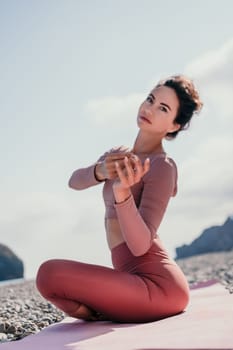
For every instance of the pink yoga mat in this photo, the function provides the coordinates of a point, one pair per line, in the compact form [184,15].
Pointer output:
[206,324]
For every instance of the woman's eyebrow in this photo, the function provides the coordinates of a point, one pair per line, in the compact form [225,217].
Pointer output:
[162,103]
[151,95]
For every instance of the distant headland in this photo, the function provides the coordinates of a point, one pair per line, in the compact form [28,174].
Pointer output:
[212,239]
[11,266]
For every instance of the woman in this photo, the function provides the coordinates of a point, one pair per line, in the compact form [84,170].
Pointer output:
[145,284]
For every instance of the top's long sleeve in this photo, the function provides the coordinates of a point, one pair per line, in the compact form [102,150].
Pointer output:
[85,177]
[139,224]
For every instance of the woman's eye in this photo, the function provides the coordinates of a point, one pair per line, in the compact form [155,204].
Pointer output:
[163,109]
[149,99]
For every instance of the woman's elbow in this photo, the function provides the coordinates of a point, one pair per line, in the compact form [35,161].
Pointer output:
[72,183]
[140,250]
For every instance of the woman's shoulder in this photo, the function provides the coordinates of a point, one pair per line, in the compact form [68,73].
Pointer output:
[162,158]
[162,163]
[163,171]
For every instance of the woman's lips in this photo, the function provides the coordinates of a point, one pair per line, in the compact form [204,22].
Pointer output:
[145,119]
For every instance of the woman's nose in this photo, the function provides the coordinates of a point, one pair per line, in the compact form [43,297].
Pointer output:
[146,110]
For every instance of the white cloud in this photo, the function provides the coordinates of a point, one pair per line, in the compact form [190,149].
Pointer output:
[42,225]
[209,171]
[213,73]
[214,66]
[104,111]
[210,167]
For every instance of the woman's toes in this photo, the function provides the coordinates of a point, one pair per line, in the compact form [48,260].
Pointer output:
[82,312]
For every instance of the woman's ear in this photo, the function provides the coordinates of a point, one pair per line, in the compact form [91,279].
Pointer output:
[174,127]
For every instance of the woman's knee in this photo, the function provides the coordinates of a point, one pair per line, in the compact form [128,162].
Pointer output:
[46,276]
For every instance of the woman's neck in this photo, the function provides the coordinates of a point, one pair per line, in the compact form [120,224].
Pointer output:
[147,144]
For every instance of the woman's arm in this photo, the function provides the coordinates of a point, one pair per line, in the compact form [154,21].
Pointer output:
[84,178]
[139,225]
[102,169]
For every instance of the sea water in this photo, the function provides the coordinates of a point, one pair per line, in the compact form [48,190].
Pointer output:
[12,281]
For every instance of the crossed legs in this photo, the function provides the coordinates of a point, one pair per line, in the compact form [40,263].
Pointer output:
[88,291]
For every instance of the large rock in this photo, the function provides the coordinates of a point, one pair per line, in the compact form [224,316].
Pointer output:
[213,239]
[11,266]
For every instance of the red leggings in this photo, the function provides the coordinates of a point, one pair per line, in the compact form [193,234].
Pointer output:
[138,289]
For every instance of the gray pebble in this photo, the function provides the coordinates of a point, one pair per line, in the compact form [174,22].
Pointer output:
[3,337]
[18,308]
[11,329]
[22,308]
[2,328]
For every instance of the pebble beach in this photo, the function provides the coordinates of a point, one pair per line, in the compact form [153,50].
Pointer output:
[23,311]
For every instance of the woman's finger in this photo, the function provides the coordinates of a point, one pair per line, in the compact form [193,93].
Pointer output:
[126,175]
[137,165]
[120,174]
[111,168]
[146,166]
[129,170]
[117,156]
[138,169]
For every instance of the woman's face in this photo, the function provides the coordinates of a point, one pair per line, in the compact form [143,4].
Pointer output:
[157,113]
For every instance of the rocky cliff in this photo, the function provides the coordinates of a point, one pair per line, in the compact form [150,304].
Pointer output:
[11,266]
[212,239]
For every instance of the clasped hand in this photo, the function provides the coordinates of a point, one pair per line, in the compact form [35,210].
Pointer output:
[123,167]
[131,172]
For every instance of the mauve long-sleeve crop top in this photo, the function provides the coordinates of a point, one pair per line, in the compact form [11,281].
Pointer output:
[141,214]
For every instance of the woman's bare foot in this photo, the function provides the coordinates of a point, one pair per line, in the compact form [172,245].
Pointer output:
[83,312]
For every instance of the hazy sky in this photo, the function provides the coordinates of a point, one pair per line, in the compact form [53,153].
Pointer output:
[72,76]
